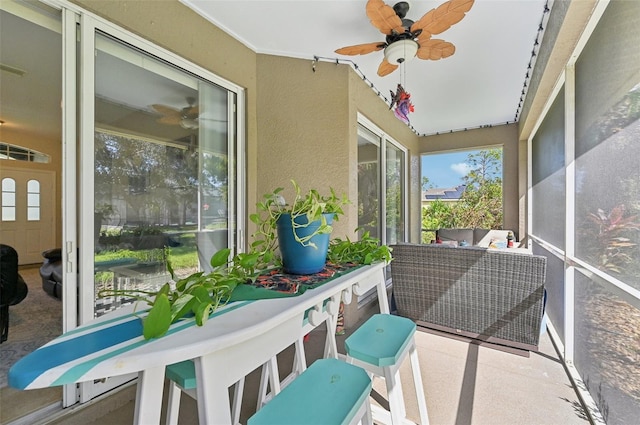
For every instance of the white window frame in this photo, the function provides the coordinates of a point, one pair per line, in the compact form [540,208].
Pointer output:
[384,139]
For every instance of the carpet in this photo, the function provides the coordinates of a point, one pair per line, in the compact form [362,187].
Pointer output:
[32,323]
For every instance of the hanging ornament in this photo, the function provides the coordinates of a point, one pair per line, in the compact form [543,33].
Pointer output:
[402,102]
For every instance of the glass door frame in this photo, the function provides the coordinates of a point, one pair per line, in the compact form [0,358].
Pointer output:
[78,165]
[384,140]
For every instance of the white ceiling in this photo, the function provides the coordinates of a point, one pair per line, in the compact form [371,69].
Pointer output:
[481,84]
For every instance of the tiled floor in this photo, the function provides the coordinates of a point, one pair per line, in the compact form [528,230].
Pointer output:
[464,384]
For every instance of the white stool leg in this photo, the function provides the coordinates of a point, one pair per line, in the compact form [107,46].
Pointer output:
[270,372]
[330,345]
[394,393]
[173,403]
[300,359]
[236,405]
[417,381]
[262,389]
[274,376]
[367,419]
[400,394]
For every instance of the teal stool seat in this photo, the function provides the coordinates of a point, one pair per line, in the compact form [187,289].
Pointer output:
[182,377]
[381,340]
[329,391]
[183,374]
[380,346]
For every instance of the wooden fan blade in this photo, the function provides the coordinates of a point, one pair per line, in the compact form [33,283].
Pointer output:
[386,68]
[361,49]
[170,119]
[166,110]
[191,111]
[443,17]
[383,17]
[436,49]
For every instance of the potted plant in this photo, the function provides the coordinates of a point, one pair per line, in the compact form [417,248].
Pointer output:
[301,229]
[199,294]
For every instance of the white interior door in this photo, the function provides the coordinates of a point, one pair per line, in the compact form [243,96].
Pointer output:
[28,212]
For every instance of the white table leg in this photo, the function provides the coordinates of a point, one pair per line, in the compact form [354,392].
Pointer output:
[149,396]
[213,397]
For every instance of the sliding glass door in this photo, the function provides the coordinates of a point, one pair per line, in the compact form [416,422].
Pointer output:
[381,185]
[158,160]
[30,170]
[162,149]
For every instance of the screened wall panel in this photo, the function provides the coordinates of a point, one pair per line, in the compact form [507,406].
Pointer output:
[548,176]
[555,287]
[606,353]
[607,145]
[607,212]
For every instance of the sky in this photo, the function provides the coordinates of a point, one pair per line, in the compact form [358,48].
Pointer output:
[445,170]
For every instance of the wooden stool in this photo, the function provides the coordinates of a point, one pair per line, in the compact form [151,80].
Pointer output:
[380,345]
[330,391]
[314,317]
[182,377]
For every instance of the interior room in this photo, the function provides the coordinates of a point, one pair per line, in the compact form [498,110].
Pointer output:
[137,138]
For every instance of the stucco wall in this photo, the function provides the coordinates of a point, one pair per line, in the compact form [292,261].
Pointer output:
[303,128]
[307,127]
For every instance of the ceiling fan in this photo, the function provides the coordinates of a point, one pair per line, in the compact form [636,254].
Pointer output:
[405,38]
[186,117]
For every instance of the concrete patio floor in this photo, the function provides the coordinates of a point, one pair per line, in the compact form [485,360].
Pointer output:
[464,384]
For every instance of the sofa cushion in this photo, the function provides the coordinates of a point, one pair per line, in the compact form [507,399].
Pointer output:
[457,235]
[479,234]
[497,235]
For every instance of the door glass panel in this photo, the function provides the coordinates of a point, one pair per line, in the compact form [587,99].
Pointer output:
[162,165]
[8,199]
[395,190]
[369,182]
[33,200]
[30,105]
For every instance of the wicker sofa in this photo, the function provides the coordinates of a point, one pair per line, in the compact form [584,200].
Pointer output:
[492,296]
[476,237]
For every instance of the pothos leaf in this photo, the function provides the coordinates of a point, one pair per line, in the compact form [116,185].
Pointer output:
[220,258]
[201,294]
[182,306]
[202,311]
[158,321]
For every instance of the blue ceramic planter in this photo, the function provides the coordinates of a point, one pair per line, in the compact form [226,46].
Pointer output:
[298,259]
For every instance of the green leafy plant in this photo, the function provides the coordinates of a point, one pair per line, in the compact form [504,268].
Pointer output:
[607,238]
[311,205]
[366,250]
[199,293]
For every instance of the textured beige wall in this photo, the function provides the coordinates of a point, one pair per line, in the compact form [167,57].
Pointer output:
[307,127]
[505,136]
[303,128]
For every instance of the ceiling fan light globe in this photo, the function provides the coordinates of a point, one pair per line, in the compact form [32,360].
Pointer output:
[401,51]
[188,124]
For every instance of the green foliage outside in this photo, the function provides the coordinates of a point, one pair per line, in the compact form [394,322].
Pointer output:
[481,203]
